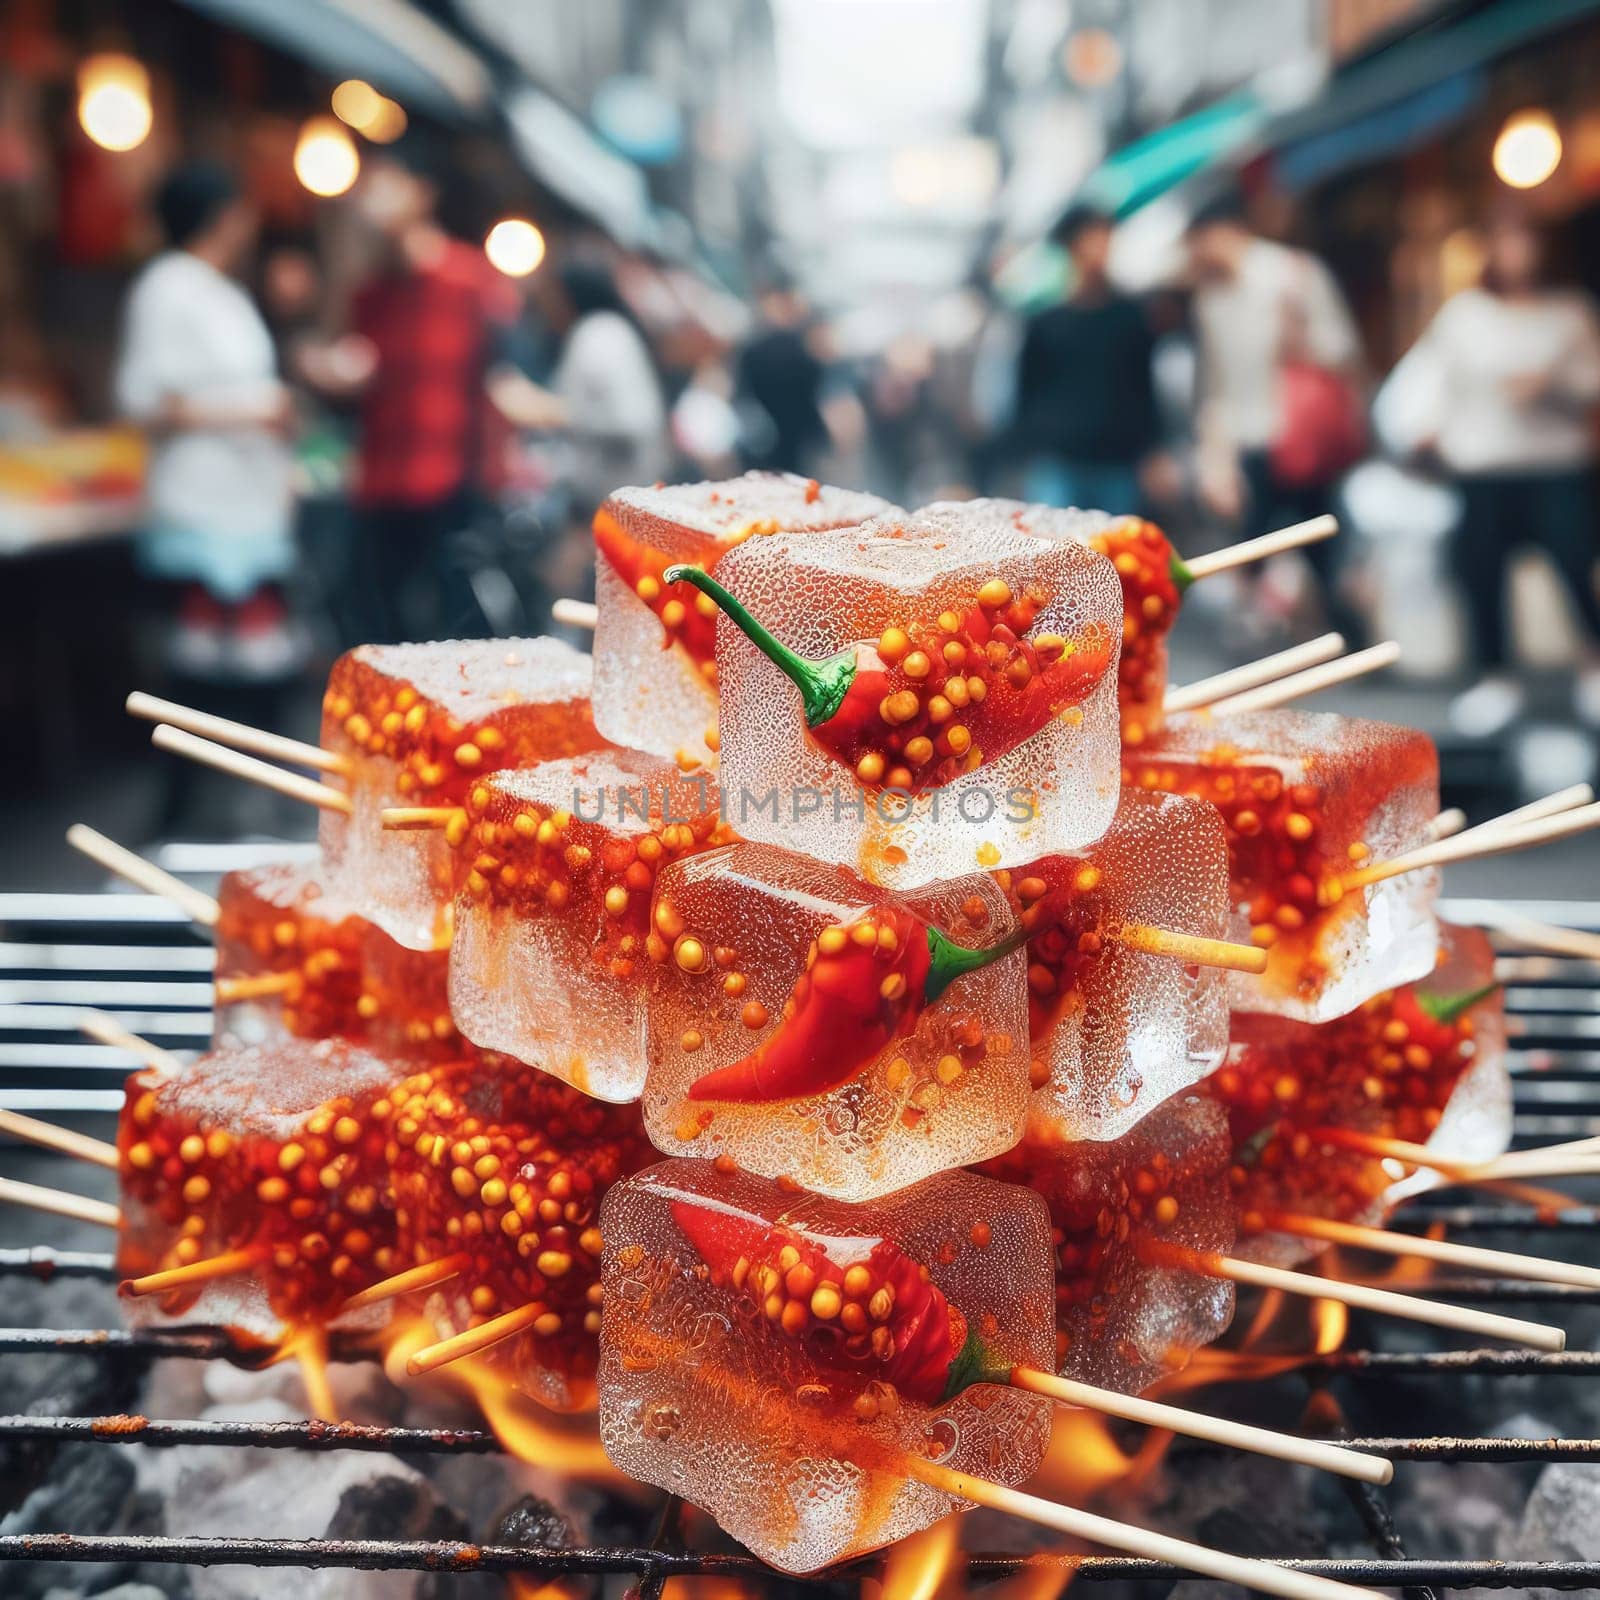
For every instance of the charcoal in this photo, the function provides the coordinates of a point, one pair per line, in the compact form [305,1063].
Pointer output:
[86,1492]
[534,1522]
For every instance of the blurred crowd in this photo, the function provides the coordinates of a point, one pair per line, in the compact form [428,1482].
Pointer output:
[487,415]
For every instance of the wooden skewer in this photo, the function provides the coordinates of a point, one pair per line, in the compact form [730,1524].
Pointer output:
[1191,696]
[1269,544]
[1315,679]
[1200,952]
[258,986]
[427,1276]
[262,773]
[576,613]
[142,874]
[1526,1194]
[473,1341]
[1550,805]
[52,1137]
[1365,1297]
[1545,935]
[1086,1525]
[1547,1161]
[58,1203]
[1196,1425]
[227,1265]
[407,817]
[237,735]
[1470,1258]
[1446,825]
[109,1031]
[1489,839]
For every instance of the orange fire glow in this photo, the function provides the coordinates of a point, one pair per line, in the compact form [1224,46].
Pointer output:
[917,1568]
[569,1444]
[1084,1459]
[308,1346]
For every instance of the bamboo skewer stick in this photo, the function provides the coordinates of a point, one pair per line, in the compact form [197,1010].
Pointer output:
[194,903]
[1575,1155]
[258,986]
[236,735]
[576,613]
[58,1203]
[1488,839]
[1193,948]
[1470,1258]
[107,1030]
[1312,681]
[1364,1297]
[227,1265]
[474,1341]
[1269,544]
[1446,825]
[1086,1525]
[50,1136]
[427,1276]
[408,817]
[1203,691]
[1545,935]
[1196,1425]
[1550,805]
[261,773]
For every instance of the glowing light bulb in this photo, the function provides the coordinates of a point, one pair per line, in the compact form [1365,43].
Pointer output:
[325,157]
[1528,149]
[114,101]
[514,247]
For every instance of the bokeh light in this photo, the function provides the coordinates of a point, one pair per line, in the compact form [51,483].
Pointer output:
[325,157]
[514,247]
[355,102]
[374,115]
[114,101]
[1528,150]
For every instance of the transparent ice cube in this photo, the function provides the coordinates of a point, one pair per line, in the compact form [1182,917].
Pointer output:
[554,958]
[827,593]
[1307,797]
[654,686]
[1124,1320]
[1116,1030]
[951,1090]
[421,724]
[748,1390]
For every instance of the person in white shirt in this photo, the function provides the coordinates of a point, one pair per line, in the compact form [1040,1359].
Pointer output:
[197,370]
[1260,307]
[1503,387]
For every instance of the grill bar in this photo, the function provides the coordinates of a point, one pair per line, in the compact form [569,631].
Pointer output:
[321,1436]
[425,1555]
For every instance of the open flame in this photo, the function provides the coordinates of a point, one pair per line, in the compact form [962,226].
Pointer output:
[1084,1458]
[917,1568]
[569,1444]
[308,1345]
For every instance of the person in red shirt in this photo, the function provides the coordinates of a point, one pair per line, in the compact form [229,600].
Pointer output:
[426,331]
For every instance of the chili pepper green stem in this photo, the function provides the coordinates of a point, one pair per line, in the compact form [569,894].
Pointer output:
[1178,571]
[822,684]
[1448,1008]
[951,960]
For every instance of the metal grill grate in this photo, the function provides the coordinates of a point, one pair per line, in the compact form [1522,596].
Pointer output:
[133,956]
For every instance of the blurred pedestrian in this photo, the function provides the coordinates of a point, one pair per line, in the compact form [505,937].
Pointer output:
[780,381]
[427,330]
[1503,386]
[612,400]
[1086,411]
[197,370]
[1280,414]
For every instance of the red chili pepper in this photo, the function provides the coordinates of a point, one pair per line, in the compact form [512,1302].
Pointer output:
[643,569]
[885,1318]
[868,983]
[883,721]
[1432,1018]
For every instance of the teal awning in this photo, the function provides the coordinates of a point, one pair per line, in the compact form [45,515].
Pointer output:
[1146,169]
